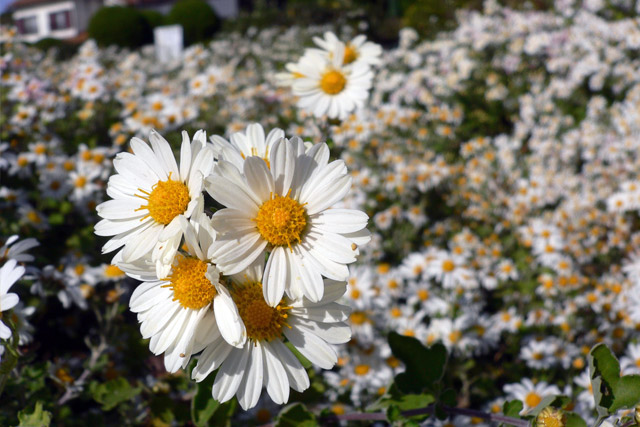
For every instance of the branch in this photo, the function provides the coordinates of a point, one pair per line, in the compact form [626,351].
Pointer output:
[72,392]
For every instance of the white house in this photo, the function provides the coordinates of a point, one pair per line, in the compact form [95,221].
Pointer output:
[62,19]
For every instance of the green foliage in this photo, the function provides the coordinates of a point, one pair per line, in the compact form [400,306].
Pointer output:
[112,393]
[38,417]
[198,20]
[296,415]
[425,366]
[154,18]
[610,391]
[121,26]
[393,396]
[207,411]
[512,408]
[64,50]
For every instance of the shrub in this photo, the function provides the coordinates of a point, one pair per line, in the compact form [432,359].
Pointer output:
[122,26]
[64,50]
[154,18]
[198,20]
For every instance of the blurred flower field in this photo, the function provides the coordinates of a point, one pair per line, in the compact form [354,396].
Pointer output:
[498,165]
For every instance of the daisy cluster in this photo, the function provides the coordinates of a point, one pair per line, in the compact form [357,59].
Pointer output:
[206,287]
[498,164]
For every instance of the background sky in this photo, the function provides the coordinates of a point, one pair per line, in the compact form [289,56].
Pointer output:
[4,4]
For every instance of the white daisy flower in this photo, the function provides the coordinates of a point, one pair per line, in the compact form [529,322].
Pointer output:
[17,249]
[287,210]
[179,313]
[357,50]
[150,195]
[10,273]
[328,87]
[252,142]
[265,360]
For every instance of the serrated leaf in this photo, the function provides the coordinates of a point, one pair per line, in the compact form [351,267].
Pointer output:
[113,392]
[38,417]
[424,366]
[203,405]
[626,393]
[512,408]
[574,420]
[296,415]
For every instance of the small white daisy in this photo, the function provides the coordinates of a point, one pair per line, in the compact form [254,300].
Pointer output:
[150,195]
[180,312]
[10,273]
[287,209]
[265,360]
[329,87]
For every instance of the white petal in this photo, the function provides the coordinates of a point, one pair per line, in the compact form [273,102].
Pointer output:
[275,377]
[230,374]
[313,348]
[275,276]
[282,165]
[228,319]
[210,359]
[296,374]
[251,385]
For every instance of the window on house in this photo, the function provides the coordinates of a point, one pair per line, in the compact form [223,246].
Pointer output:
[28,25]
[60,20]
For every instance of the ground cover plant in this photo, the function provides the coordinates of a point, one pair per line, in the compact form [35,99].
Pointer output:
[295,225]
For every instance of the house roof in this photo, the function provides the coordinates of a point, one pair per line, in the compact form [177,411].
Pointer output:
[21,4]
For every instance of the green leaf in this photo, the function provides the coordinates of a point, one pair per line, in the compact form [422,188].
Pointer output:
[113,392]
[296,415]
[626,393]
[424,366]
[394,414]
[38,418]
[512,408]
[404,402]
[603,370]
[203,405]
[605,364]
[574,420]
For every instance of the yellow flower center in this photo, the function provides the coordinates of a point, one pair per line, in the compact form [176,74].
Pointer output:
[112,271]
[80,182]
[533,399]
[281,220]
[167,200]
[350,54]
[423,294]
[333,82]
[358,317]
[361,370]
[448,266]
[263,322]
[550,417]
[190,286]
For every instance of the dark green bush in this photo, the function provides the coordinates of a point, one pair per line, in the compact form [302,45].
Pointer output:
[64,50]
[197,18]
[154,18]
[121,26]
